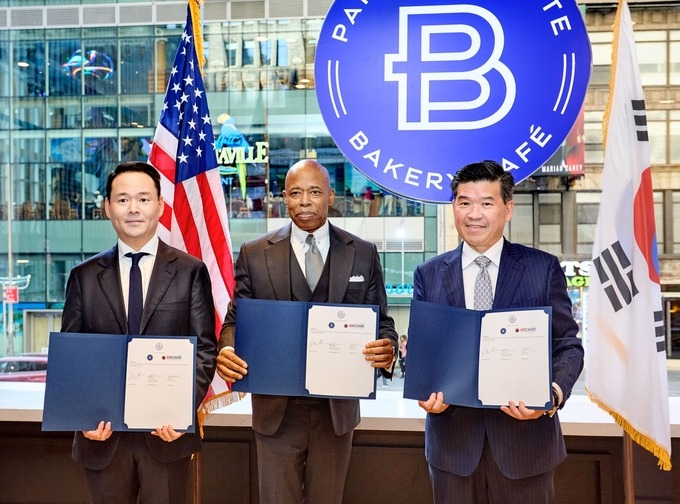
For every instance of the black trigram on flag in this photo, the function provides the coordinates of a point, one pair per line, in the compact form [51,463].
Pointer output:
[616,276]
[659,332]
[615,272]
[640,118]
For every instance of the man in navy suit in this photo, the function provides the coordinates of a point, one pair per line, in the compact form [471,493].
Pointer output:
[504,455]
[132,467]
[304,443]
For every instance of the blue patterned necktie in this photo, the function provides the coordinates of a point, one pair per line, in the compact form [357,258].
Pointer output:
[135,294]
[483,287]
[313,262]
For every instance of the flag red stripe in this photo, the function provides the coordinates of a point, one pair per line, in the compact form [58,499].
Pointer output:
[218,241]
[186,223]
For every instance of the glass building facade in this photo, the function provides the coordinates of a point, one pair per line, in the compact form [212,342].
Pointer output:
[81,89]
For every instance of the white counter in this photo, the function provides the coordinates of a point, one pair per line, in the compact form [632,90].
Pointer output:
[23,402]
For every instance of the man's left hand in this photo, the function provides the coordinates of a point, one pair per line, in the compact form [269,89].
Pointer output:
[379,353]
[167,433]
[521,412]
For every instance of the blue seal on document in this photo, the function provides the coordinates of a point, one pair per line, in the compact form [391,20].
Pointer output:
[412,91]
[149,357]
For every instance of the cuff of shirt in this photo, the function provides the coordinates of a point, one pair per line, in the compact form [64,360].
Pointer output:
[231,349]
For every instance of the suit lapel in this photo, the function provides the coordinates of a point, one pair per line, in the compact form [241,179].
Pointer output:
[278,262]
[509,276]
[109,282]
[164,271]
[452,275]
[342,260]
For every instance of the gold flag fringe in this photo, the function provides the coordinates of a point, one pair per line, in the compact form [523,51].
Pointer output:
[195,8]
[216,402]
[663,456]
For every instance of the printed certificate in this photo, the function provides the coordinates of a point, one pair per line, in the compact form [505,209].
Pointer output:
[159,387]
[514,356]
[336,337]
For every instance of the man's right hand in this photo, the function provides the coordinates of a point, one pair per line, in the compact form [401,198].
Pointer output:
[230,366]
[435,404]
[102,433]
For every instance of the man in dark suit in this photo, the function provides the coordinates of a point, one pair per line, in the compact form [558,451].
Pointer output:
[304,444]
[155,466]
[504,455]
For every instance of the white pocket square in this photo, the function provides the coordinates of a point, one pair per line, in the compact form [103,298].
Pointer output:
[358,278]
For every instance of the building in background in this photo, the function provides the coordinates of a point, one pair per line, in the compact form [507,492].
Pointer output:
[81,89]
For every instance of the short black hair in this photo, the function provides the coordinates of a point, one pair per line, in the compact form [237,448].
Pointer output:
[485,171]
[134,166]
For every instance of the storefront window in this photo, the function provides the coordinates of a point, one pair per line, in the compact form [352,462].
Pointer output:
[521,228]
[550,222]
[587,207]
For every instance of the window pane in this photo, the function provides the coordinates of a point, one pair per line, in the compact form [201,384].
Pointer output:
[136,66]
[66,64]
[29,113]
[29,71]
[64,113]
[652,61]
[4,69]
[657,142]
[602,57]
[99,64]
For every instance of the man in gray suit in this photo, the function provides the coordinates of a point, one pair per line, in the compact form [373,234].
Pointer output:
[304,444]
[506,455]
[122,467]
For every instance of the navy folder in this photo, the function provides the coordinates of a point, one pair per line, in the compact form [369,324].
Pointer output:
[271,336]
[443,354]
[85,381]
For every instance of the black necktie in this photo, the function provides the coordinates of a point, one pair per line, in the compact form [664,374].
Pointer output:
[135,294]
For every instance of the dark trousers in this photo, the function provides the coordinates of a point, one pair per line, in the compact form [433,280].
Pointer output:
[487,485]
[304,461]
[135,474]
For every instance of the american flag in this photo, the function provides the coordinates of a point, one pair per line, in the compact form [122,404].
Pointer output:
[183,151]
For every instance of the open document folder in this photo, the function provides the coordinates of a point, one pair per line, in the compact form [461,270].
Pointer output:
[135,382]
[480,358]
[305,349]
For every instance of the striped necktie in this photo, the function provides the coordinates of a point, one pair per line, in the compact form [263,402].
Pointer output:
[313,262]
[483,287]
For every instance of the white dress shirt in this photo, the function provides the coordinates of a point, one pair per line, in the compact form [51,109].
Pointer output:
[145,265]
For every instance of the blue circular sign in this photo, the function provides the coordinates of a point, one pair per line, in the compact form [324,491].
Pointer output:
[413,91]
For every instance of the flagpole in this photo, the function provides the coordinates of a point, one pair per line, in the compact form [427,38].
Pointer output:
[196,477]
[628,473]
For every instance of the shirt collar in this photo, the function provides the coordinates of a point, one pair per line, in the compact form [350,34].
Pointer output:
[493,253]
[299,236]
[150,247]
